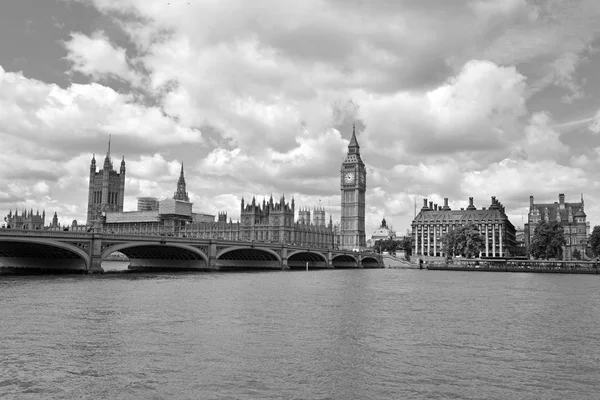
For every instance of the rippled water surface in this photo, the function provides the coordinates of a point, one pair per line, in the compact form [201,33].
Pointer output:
[349,334]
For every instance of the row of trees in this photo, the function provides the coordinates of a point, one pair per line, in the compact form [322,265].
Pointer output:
[467,241]
[392,245]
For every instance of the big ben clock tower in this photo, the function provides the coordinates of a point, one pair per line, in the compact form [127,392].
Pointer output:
[353,186]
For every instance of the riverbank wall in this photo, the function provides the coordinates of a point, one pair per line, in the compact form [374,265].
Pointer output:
[532,266]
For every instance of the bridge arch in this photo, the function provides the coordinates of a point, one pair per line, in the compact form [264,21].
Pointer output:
[319,255]
[251,253]
[179,254]
[298,259]
[21,248]
[247,257]
[370,262]
[344,261]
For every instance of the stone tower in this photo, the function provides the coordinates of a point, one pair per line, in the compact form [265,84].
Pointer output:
[319,216]
[304,216]
[181,193]
[106,188]
[353,186]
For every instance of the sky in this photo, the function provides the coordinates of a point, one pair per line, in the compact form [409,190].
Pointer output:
[451,98]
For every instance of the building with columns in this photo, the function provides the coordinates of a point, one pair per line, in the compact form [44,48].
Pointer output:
[433,222]
[572,218]
[106,189]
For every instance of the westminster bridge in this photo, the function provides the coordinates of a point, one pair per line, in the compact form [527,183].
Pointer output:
[84,252]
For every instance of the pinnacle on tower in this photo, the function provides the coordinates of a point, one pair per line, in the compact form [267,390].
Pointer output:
[353,141]
[181,193]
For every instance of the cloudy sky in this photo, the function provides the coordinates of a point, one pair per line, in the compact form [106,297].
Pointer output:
[451,98]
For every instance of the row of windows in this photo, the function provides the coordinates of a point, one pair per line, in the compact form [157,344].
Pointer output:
[113,197]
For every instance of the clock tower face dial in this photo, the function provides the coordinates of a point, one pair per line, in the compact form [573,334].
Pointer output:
[349,177]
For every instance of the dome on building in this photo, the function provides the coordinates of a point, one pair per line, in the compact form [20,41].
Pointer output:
[383,232]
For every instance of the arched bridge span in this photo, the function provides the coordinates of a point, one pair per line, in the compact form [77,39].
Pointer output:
[237,257]
[300,258]
[344,261]
[370,262]
[145,255]
[42,254]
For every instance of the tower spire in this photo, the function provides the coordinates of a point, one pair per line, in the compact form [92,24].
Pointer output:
[181,193]
[353,147]
[108,153]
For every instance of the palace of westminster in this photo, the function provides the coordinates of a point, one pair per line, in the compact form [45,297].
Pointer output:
[275,221]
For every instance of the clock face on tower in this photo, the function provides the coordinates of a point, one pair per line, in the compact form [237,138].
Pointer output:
[349,177]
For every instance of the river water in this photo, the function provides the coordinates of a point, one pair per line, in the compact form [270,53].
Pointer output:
[343,334]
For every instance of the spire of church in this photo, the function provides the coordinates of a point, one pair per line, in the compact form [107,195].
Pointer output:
[181,193]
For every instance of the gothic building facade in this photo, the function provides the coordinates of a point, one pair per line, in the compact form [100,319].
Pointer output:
[268,221]
[433,222]
[353,186]
[271,222]
[571,217]
[27,220]
[106,188]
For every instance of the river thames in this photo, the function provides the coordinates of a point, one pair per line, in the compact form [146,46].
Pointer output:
[343,334]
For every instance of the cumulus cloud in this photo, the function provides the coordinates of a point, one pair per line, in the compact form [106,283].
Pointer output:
[263,99]
[97,57]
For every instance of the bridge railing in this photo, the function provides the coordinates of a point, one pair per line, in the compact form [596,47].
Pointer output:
[40,232]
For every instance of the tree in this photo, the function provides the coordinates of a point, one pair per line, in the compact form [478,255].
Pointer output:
[390,245]
[406,244]
[576,254]
[465,241]
[594,241]
[548,241]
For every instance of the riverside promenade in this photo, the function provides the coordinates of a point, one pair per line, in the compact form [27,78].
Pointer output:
[535,266]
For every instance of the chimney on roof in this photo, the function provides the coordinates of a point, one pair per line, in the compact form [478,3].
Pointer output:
[561,201]
[424,208]
[530,203]
[471,206]
[435,207]
[431,205]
